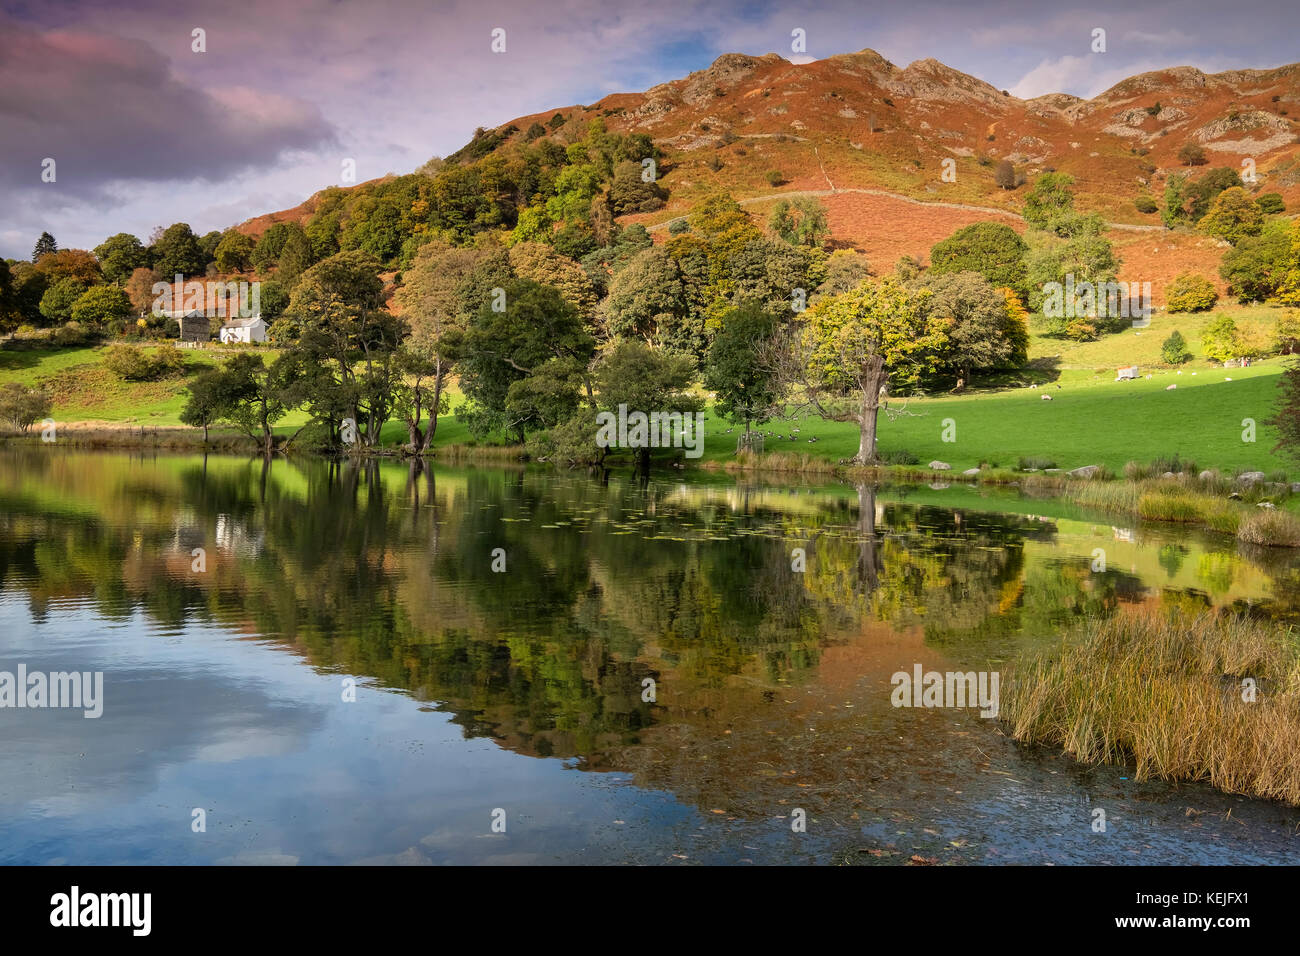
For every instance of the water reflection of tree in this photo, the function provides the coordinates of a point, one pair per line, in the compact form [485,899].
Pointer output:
[377,569]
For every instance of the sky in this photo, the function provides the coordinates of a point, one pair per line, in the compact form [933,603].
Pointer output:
[145,131]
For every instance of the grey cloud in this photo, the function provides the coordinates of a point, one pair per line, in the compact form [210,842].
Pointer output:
[111,111]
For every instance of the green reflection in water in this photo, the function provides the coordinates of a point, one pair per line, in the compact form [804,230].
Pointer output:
[385,570]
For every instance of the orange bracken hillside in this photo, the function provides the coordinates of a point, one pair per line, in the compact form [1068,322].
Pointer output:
[865,136]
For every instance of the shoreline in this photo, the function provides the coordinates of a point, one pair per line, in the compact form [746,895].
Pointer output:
[1255,512]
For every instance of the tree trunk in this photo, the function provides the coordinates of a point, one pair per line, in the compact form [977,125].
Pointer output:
[869,564]
[873,380]
[415,436]
[434,407]
[268,436]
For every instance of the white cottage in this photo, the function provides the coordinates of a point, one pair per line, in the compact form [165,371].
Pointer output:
[244,330]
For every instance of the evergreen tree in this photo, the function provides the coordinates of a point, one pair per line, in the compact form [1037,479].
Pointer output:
[44,245]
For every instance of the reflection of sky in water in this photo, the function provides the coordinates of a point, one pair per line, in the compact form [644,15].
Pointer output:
[214,716]
[286,770]
[289,773]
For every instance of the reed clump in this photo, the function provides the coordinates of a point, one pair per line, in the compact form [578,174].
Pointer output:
[1212,697]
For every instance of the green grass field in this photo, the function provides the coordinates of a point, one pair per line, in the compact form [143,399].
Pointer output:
[1091,419]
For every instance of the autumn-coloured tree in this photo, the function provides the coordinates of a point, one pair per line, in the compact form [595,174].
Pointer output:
[1190,154]
[1288,292]
[70,264]
[139,289]
[541,263]
[1004,174]
[1190,292]
[986,326]
[432,302]
[1233,216]
[851,347]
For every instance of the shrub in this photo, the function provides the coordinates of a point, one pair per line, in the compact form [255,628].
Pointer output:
[1190,292]
[1145,204]
[1158,468]
[1050,200]
[992,249]
[1271,204]
[774,177]
[899,456]
[132,364]
[23,406]
[129,363]
[1173,463]
[907,268]
[1080,330]
[1005,174]
[70,334]
[1219,338]
[1029,462]
[1174,350]
[169,360]
[1191,155]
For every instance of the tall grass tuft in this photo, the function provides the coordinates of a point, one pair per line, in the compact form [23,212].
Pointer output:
[784,461]
[473,453]
[1036,463]
[1165,694]
[1274,528]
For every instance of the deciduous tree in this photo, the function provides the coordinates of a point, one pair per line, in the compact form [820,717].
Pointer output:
[852,346]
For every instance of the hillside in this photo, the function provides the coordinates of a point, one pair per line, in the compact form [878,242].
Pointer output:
[858,121]
[865,136]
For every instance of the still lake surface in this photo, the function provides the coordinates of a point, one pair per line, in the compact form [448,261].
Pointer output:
[520,695]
